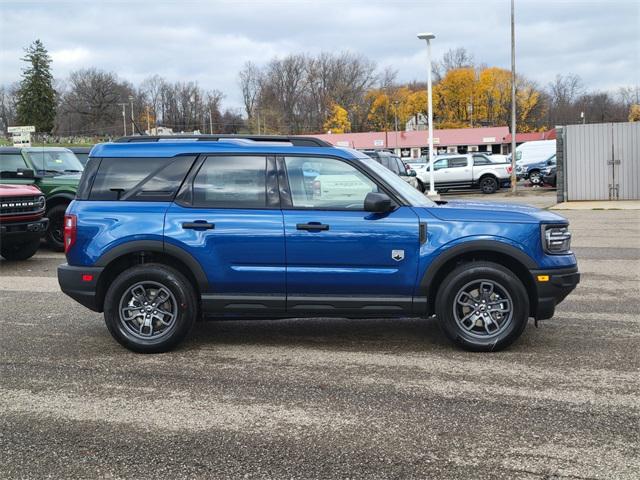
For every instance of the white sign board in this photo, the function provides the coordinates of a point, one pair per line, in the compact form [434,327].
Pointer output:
[22,129]
[378,143]
[342,143]
[489,139]
[21,139]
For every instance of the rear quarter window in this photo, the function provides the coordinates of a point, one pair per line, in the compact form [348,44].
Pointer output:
[135,179]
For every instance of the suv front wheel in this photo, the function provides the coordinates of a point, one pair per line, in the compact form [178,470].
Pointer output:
[55,232]
[482,306]
[150,308]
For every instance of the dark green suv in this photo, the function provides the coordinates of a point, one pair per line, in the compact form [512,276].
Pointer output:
[56,171]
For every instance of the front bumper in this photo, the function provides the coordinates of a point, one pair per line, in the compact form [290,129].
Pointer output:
[560,283]
[23,231]
[81,284]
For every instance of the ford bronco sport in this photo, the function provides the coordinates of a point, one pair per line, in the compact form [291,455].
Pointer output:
[165,231]
[57,172]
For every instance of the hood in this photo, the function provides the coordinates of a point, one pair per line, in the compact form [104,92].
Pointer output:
[68,179]
[18,190]
[481,211]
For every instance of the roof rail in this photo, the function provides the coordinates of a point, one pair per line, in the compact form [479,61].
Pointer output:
[295,141]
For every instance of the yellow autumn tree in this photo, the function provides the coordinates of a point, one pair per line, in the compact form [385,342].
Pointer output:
[634,113]
[453,97]
[338,121]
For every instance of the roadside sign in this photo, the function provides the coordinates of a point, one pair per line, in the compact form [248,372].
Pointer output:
[378,143]
[22,129]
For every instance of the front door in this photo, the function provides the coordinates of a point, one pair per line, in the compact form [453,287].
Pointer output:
[230,221]
[340,258]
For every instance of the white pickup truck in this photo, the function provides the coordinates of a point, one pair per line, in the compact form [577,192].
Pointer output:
[465,171]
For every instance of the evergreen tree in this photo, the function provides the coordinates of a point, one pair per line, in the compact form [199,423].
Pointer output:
[36,97]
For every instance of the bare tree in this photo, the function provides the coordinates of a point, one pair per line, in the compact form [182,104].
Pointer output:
[250,79]
[452,59]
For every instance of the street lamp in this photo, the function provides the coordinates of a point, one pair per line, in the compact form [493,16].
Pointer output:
[395,117]
[428,37]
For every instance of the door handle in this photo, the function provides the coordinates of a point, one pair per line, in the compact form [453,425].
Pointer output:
[199,225]
[312,227]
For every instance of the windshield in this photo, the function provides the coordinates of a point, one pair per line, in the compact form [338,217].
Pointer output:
[413,196]
[54,161]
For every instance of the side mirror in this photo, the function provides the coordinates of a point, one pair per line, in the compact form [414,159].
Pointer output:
[377,202]
[412,173]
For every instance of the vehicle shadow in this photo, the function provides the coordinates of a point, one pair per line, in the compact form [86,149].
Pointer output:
[406,334]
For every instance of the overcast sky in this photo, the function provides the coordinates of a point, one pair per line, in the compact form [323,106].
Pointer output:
[208,41]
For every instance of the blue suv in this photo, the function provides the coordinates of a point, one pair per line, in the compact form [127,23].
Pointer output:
[167,231]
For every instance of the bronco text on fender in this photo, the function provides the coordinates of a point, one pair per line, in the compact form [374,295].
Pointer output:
[165,231]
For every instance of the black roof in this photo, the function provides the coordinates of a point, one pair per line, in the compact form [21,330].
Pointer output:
[297,141]
[10,150]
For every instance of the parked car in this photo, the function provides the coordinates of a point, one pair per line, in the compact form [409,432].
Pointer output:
[528,153]
[549,175]
[82,154]
[396,165]
[162,233]
[57,173]
[22,221]
[534,171]
[466,171]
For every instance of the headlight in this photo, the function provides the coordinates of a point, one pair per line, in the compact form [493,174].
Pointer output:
[41,202]
[556,239]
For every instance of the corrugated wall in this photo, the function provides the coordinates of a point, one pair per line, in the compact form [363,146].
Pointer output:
[600,157]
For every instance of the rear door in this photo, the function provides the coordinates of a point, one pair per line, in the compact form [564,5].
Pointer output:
[228,217]
[459,170]
[340,258]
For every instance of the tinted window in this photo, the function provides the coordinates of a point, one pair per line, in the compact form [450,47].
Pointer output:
[440,164]
[231,182]
[457,162]
[552,160]
[327,183]
[54,161]
[401,168]
[138,179]
[10,162]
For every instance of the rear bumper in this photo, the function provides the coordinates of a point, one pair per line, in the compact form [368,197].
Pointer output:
[561,283]
[23,231]
[74,281]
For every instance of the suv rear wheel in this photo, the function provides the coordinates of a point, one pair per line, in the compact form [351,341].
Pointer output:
[55,232]
[482,306]
[150,308]
[535,177]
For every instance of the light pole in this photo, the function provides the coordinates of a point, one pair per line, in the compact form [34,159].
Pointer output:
[514,179]
[428,37]
[395,118]
[124,118]
[133,125]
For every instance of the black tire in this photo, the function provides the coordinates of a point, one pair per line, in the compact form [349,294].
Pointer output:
[510,290]
[20,251]
[535,177]
[488,184]
[183,299]
[55,232]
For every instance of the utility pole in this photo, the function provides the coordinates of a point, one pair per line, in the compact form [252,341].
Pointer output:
[133,124]
[513,99]
[124,118]
[210,123]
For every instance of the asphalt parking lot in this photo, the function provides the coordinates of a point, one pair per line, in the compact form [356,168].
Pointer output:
[328,398]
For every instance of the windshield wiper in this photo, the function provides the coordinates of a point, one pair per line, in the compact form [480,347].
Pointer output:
[73,171]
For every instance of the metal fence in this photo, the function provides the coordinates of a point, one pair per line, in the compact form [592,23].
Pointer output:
[599,162]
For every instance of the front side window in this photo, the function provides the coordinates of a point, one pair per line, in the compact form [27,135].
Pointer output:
[327,183]
[11,162]
[231,182]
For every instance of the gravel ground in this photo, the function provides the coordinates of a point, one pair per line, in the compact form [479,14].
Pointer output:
[328,398]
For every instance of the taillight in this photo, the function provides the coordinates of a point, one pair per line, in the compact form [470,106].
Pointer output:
[70,229]
[509,169]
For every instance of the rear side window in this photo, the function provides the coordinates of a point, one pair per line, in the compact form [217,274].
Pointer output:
[138,179]
[10,162]
[457,162]
[481,160]
[231,182]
